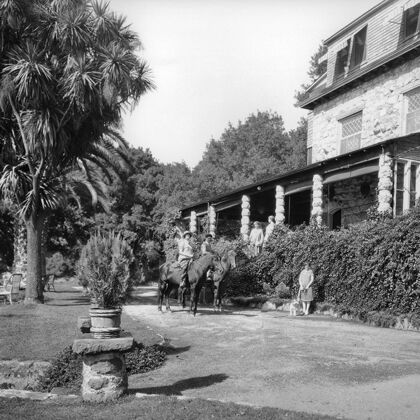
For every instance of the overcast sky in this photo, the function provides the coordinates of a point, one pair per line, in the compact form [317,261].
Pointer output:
[217,61]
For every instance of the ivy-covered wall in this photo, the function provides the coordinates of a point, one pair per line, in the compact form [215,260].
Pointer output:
[370,266]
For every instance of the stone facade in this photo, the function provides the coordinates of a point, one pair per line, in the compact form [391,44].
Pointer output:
[317,200]
[382,102]
[385,184]
[353,196]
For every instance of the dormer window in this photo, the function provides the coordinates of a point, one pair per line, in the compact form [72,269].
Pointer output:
[359,48]
[352,55]
[342,60]
[411,21]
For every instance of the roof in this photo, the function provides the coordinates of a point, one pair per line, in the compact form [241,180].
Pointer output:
[317,95]
[358,21]
[295,175]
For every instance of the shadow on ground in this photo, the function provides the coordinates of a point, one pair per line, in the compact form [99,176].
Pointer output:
[178,387]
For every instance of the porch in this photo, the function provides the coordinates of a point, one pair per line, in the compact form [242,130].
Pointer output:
[335,192]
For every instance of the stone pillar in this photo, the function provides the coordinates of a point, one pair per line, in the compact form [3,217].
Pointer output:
[385,183]
[104,371]
[212,220]
[279,204]
[245,217]
[193,222]
[317,199]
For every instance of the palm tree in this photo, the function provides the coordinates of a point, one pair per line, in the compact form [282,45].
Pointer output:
[67,70]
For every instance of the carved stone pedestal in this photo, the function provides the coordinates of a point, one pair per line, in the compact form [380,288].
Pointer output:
[104,372]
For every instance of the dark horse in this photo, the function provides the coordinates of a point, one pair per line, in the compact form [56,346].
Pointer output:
[227,262]
[170,277]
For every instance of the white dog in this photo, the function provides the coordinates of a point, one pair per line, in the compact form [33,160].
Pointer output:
[295,307]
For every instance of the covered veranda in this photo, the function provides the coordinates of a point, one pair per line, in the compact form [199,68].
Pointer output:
[335,192]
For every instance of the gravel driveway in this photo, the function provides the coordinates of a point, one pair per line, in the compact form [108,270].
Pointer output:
[314,364]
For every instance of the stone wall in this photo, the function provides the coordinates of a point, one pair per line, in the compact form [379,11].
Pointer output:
[349,196]
[382,103]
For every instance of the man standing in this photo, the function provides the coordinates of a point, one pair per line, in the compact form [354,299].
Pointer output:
[256,239]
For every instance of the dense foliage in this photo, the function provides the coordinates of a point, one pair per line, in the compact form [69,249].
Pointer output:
[105,266]
[371,266]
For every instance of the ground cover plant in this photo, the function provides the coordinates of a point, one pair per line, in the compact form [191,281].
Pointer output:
[66,368]
[370,267]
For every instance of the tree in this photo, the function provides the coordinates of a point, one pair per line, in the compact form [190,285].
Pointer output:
[316,70]
[253,150]
[68,68]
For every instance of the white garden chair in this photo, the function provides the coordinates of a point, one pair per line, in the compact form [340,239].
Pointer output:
[11,289]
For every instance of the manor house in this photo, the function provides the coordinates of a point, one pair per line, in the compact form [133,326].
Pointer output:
[363,142]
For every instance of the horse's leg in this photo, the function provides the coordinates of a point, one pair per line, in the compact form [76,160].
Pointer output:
[192,297]
[160,295]
[216,292]
[196,296]
[167,293]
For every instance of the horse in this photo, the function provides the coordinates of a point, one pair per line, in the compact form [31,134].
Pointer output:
[227,262]
[170,277]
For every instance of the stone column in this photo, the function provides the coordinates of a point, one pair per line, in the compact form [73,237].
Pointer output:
[385,183]
[104,372]
[245,217]
[279,204]
[317,199]
[212,220]
[193,222]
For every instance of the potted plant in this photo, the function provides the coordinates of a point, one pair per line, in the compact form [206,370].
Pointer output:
[105,265]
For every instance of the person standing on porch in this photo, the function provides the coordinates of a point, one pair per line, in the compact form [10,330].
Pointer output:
[306,278]
[256,239]
[269,229]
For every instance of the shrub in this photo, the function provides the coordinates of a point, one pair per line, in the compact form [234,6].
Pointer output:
[65,371]
[370,266]
[105,265]
[143,359]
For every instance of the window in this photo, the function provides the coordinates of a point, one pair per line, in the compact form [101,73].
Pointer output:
[352,55]
[407,185]
[309,155]
[399,189]
[342,60]
[359,48]
[411,21]
[351,133]
[413,111]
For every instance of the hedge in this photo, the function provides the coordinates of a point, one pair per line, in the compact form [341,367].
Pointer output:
[370,266]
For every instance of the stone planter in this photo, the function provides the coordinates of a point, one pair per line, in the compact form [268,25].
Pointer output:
[105,323]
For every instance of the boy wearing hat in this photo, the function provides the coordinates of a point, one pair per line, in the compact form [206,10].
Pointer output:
[185,255]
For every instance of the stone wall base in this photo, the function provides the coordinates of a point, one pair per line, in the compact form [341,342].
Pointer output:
[104,376]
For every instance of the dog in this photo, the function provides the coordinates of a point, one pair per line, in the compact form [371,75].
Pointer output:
[295,307]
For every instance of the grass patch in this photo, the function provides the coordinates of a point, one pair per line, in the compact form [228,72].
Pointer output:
[39,332]
[150,408]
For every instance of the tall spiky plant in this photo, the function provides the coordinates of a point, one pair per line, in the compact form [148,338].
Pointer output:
[67,70]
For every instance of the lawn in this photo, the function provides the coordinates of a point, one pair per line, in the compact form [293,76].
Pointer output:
[150,408]
[39,332]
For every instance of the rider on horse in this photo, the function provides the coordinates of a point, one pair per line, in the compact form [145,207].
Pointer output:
[185,256]
[207,249]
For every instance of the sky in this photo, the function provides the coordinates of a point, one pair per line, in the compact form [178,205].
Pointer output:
[218,61]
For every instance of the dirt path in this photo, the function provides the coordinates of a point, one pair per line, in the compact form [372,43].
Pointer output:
[313,364]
